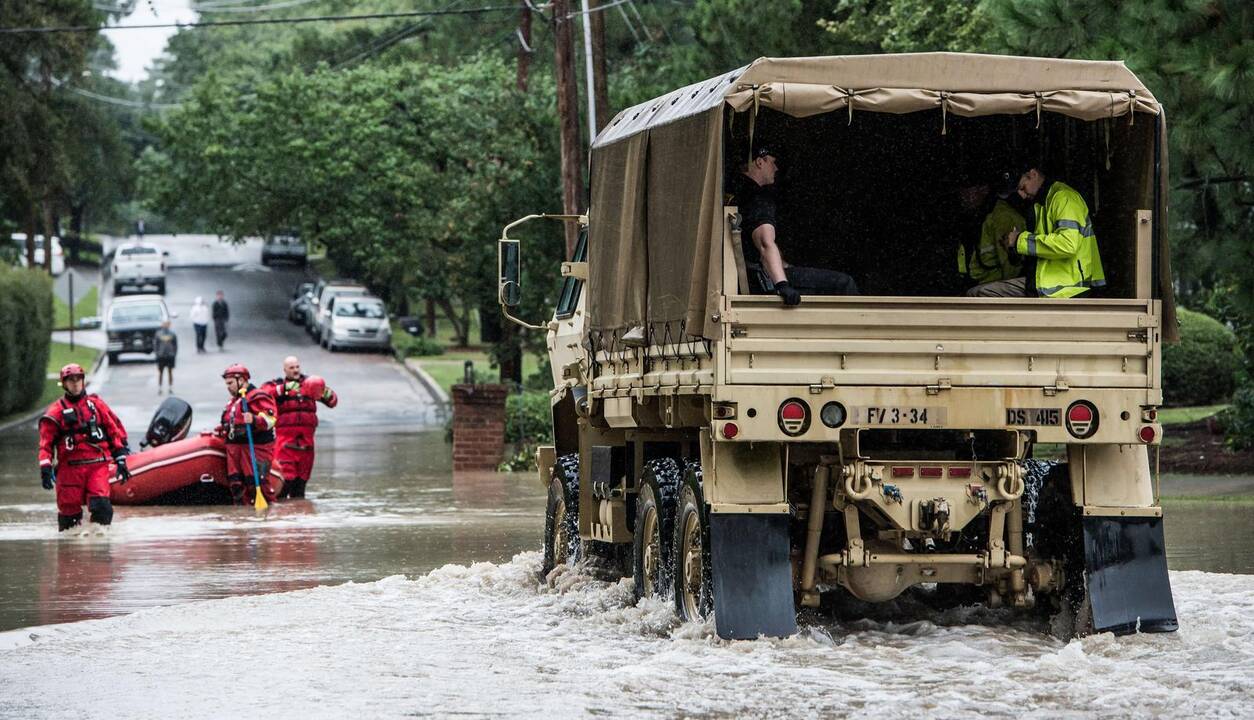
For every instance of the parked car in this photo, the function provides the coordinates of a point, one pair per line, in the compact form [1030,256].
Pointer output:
[58,255]
[322,315]
[356,321]
[132,321]
[138,265]
[299,305]
[284,248]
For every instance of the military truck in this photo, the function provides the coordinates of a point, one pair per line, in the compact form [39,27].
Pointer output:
[746,459]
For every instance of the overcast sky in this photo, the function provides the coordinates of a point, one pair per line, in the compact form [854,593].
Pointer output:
[136,49]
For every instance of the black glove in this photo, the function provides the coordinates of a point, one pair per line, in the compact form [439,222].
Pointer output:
[124,473]
[46,477]
[121,452]
[787,293]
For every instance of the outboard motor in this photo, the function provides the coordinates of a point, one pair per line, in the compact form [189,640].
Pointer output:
[170,423]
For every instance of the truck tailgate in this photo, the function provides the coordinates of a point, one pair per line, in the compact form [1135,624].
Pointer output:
[946,341]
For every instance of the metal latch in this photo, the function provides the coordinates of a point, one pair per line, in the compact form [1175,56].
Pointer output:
[1059,385]
[577,270]
[827,382]
[941,384]
[1141,335]
[739,331]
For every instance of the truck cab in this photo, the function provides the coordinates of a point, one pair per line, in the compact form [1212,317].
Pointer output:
[747,456]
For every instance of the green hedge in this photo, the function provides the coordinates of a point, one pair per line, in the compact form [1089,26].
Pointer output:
[1201,369]
[528,419]
[25,333]
[406,345]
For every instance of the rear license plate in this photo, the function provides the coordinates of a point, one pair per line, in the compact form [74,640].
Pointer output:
[1033,416]
[896,415]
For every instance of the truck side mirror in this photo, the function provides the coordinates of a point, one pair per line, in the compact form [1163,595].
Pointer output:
[508,289]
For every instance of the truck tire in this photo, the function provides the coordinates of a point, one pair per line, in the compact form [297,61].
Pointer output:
[561,515]
[161,288]
[117,288]
[691,568]
[651,539]
[113,358]
[1054,526]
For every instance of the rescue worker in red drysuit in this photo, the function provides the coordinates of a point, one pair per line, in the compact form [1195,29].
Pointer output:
[297,396]
[83,434]
[261,416]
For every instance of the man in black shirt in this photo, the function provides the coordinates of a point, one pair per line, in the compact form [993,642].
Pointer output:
[221,313]
[753,192]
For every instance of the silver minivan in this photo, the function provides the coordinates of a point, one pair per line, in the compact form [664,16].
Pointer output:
[332,290]
[359,321]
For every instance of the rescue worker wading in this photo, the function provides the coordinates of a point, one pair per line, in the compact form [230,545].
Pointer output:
[83,434]
[297,396]
[261,416]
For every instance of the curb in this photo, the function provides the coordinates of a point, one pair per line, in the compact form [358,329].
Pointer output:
[38,411]
[428,383]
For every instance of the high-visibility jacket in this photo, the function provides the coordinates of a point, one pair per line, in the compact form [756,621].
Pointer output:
[1064,245]
[990,260]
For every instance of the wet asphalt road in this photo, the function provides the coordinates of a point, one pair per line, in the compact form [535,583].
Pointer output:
[374,389]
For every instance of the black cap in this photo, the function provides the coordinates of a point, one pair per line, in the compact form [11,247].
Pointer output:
[762,151]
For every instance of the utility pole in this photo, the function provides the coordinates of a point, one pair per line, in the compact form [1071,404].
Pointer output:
[589,83]
[568,118]
[524,46]
[600,91]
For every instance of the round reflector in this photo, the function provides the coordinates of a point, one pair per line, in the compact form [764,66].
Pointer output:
[1147,434]
[730,430]
[833,414]
[794,417]
[1082,419]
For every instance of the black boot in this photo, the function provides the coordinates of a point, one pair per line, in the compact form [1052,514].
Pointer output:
[294,488]
[101,510]
[65,522]
[235,484]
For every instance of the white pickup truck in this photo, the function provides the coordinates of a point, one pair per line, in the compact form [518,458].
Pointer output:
[138,265]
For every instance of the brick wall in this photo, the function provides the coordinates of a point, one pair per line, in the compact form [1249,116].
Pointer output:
[478,426]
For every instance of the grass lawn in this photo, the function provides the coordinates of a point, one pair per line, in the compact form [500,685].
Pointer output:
[1177,416]
[449,369]
[83,307]
[59,356]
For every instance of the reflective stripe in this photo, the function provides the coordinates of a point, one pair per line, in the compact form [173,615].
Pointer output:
[1032,244]
[1069,224]
[1082,283]
[1087,231]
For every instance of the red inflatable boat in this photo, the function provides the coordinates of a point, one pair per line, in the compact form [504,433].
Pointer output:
[183,472]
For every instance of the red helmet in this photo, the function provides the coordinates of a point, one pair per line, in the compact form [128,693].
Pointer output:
[71,370]
[237,369]
[313,387]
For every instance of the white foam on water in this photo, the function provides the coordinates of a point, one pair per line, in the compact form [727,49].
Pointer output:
[497,640]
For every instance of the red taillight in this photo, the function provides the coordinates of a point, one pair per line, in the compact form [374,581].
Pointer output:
[793,417]
[902,471]
[959,472]
[1082,419]
[931,472]
[730,431]
[1147,434]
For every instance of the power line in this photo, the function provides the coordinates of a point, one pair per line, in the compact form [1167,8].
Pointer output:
[250,8]
[260,21]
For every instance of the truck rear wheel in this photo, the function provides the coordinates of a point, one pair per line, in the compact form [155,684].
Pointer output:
[694,596]
[561,517]
[655,514]
[1055,528]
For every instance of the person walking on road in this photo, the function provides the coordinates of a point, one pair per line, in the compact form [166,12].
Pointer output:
[166,347]
[77,436]
[297,396]
[221,313]
[200,321]
[234,428]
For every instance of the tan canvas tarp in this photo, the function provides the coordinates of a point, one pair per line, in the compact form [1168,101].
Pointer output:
[662,240]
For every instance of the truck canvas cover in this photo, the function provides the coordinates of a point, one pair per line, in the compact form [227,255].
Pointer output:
[656,215]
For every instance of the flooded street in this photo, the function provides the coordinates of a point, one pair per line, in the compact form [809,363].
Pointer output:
[399,589]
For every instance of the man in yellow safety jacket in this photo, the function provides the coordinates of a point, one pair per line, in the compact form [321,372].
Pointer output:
[1060,253]
[989,259]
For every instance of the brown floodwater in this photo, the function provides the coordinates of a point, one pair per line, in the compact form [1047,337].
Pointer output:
[382,504]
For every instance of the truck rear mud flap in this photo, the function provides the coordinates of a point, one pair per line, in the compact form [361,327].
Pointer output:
[752,576]
[1128,585]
